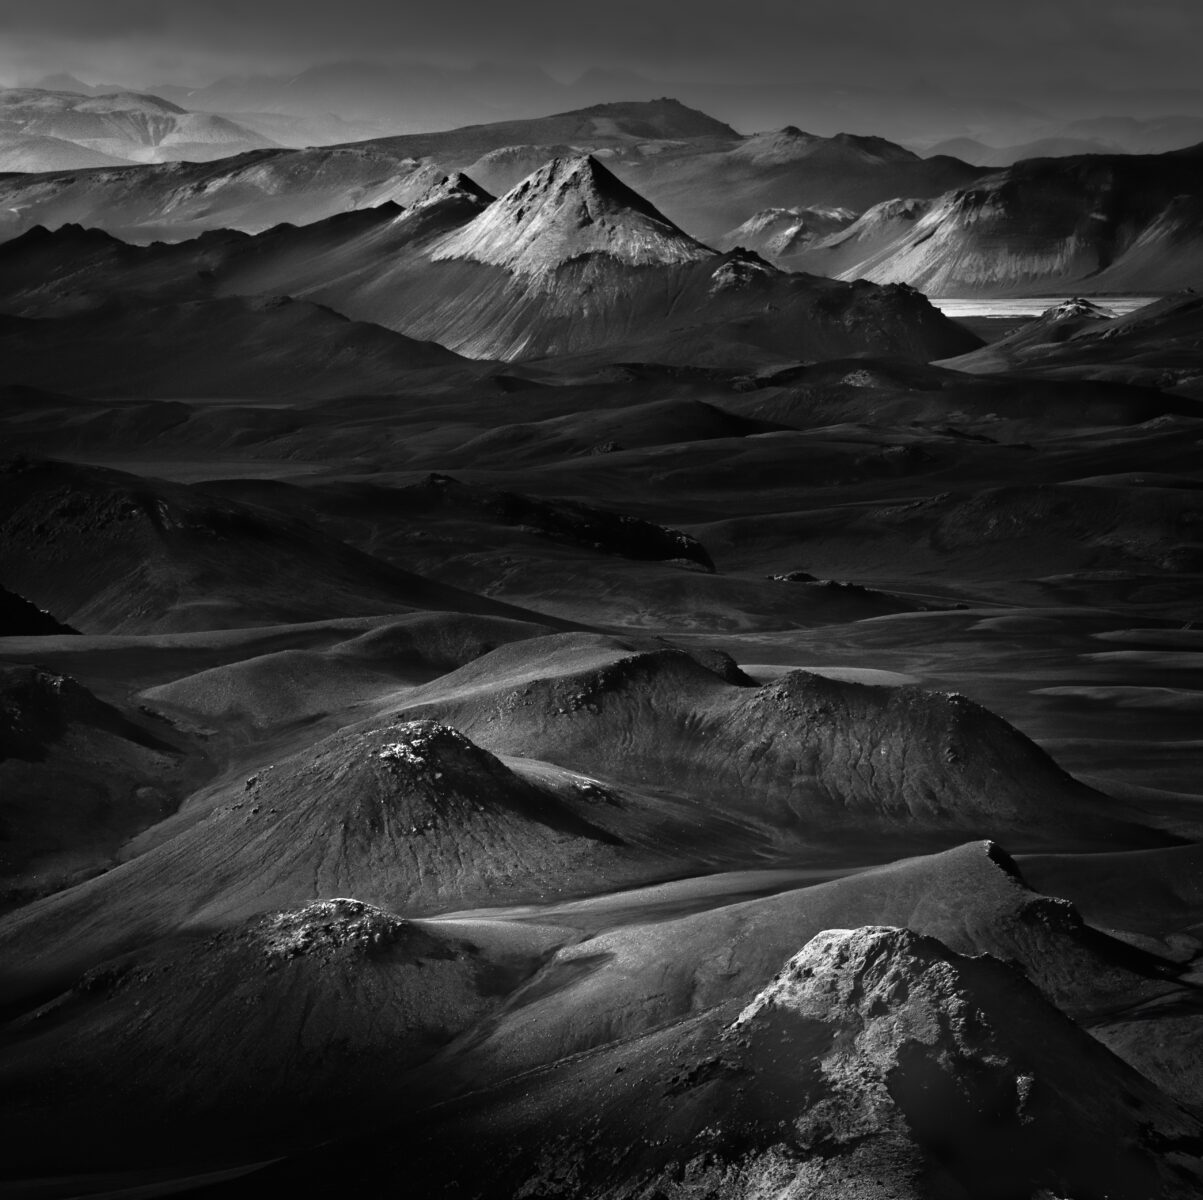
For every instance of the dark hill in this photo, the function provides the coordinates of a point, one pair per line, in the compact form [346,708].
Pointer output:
[410,815]
[20,618]
[1154,346]
[227,347]
[114,552]
[312,1017]
[806,754]
[878,1063]
[79,778]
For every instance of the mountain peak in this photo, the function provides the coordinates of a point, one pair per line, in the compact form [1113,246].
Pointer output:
[779,145]
[453,185]
[790,144]
[851,970]
[571,208]
[1074,308]
[874,147]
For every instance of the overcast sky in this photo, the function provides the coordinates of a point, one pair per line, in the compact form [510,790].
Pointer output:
[1009,44]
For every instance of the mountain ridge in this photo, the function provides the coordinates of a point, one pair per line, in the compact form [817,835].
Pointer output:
[1090,224]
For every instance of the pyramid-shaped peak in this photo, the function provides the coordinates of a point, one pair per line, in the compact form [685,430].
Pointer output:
[585,169]
[571,208]
[456,184]
[583,177]
[431,183]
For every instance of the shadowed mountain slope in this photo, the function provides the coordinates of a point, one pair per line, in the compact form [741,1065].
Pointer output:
[79,778]
[227,347]
[20,618]
[112,552]
[312,1017]
[878,1064]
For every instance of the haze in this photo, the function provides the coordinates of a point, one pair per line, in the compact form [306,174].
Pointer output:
[1027,49]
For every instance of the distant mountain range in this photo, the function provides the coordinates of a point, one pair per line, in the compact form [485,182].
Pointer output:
[846,207]
[1093,135]
[377,98]
[46,131]
[703,175]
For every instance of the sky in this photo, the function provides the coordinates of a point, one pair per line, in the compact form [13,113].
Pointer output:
[1003,44]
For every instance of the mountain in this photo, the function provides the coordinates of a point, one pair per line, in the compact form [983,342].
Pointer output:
[412,95]
[877,1063]
[176,200]
[805,753]
[777,233]
[420,96]
[981,155]
[1157,345]
[409,814]
[1058,323]
[402,1015]
[315,1015]
[703,175]
[117,126]
[570,209]
[1136,135]
[1092,224]
[491,279]
[1086,135]
[79,777]
[283,347]
[20,618]
[715,189]
[508,284]
[599,126]
[28,152]
[149,555]
[628,981]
